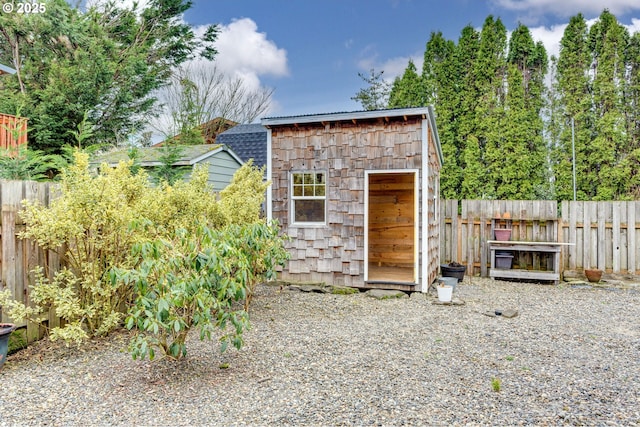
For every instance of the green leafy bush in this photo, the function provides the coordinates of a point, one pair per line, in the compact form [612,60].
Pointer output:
[29,165]
[93,225]
[241,201]
[196,280]
[89,226]
[167,258]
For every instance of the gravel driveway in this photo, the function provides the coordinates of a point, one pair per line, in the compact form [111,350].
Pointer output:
[571,356]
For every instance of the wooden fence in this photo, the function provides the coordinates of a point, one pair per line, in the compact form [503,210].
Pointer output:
[13,131]
[604,235]
[18,257]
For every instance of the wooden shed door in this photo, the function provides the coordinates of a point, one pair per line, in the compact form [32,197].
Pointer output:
[391,228]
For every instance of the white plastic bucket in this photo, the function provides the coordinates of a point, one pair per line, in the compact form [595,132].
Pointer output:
[445,293]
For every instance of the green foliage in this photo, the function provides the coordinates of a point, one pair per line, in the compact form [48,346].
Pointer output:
[170,153]
[127,243]
[28,165]
[241,201]
[106,61]
[488,110]
[374,96]
[193,281]
[90,226]
[596,88]
[179,206]
[505,135]
[188,114]
[496,385]
[407,91]
[17,340]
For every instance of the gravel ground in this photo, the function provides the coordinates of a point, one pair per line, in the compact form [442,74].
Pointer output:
[572,356]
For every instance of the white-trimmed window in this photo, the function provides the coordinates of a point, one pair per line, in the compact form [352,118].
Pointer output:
[308,197]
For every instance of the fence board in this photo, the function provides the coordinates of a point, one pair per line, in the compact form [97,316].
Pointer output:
[615,237]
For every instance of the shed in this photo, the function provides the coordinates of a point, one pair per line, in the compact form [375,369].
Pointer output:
[222,161]
[358,193]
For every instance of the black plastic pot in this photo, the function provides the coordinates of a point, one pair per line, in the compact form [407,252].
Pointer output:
[453,271]
[5,332]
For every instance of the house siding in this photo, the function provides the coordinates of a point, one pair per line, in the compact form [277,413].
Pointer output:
[433,214]
[221,166]
[334,253]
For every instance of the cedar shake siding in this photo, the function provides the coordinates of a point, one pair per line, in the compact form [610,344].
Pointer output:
[339,163]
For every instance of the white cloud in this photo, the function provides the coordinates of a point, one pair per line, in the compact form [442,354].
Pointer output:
[531,11]
[550,37]
[245,52]
[392,67]
[534,9]
[634,27]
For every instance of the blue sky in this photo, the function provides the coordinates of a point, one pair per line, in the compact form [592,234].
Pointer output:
[311,51]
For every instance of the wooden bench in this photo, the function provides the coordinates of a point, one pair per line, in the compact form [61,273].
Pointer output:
[524,246]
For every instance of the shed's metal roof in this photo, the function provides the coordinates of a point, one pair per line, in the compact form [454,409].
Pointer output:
[345,116]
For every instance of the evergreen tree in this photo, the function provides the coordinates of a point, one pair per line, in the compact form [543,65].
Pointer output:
[438,76]
[407,91]
[467,182]
[441,78]
[605,179]
[106,61]
[574,103]
[632,116]
[375,96]
[489,77]
[524,125]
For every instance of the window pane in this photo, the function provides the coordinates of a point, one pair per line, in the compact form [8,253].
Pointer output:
[308,178]
[297,190]
[320,178]
[297,178]
[308,190]
[309,210]
[320,190]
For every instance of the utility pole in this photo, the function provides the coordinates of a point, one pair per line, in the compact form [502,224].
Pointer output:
[573,158]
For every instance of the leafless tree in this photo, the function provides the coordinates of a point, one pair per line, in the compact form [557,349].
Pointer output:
[197,96]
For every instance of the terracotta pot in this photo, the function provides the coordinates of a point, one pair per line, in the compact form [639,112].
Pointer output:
[593,275]
[502,234]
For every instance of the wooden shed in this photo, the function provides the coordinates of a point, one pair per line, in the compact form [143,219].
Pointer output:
[358,193]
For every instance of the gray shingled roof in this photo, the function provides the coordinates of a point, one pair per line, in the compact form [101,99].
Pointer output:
[247,141]
[150,156]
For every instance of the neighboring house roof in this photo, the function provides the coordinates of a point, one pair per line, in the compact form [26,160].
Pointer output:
[149,156]
[249,141]
[426,113]
[210,130]
[6,70]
